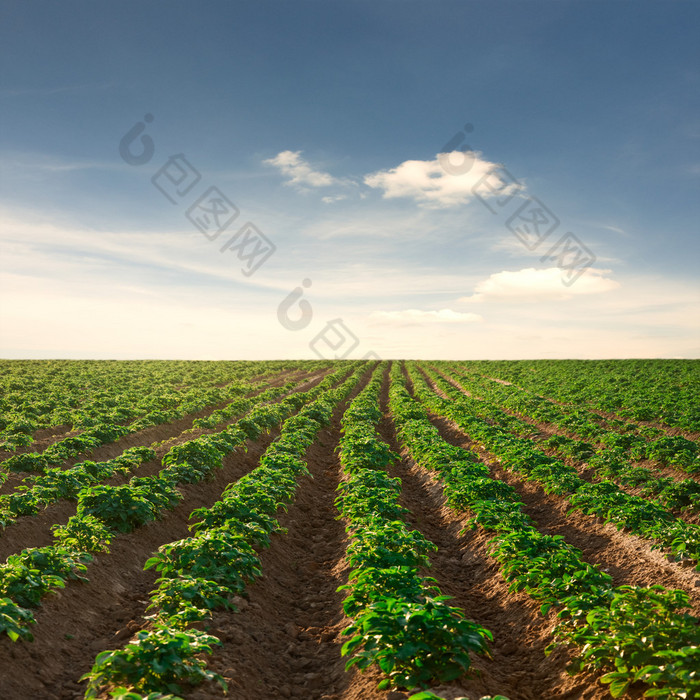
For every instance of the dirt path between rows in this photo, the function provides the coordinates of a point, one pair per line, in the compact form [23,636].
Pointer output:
[147,436]
[463,570]
[693,435]
[35,530]
[628,558]
[584,472]
[548,429]
[75,624]
[285,642]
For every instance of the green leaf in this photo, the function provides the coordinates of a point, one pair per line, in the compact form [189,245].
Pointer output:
[619,682]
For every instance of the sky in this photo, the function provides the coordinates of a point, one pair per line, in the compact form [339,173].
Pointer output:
[395,179]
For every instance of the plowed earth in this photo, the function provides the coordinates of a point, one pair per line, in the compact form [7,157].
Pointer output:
[285,640]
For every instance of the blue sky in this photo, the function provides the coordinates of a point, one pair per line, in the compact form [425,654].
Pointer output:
[321,122]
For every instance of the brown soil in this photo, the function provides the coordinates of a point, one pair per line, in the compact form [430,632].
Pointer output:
[628,558]
[72,626]
[35,530]
[285,641]
[147,436]
[693,435]
[547,429]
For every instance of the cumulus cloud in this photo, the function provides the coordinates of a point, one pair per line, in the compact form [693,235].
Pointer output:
[419,316]
[298,170]
[441,182]
[530,284]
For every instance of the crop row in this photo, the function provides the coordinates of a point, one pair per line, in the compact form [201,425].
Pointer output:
[103,433]
[205,572]
[400,621]
[663,391]
[604,499]
[56,484]
[103,511]
[629,439]
[42,394]
[608,459]
[633,633]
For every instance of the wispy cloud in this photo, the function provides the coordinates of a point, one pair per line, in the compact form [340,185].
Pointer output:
[334,198]
[616,229]
[298,171]
[49,91]
[40,163]
[428,183]
[169,293]
[531,285]
[362,220]
[74,255]
[418,316]
[500,240]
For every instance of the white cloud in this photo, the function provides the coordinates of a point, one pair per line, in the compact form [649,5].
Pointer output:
[334,198]
[431,185]
[531,285]
[170,293]
[128,321]
[56,90]
[616,229]
[16,163]
[299,172]
[419,316]
[368,222]
[514,248]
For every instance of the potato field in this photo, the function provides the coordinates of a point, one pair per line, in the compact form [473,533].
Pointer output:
[349,530]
